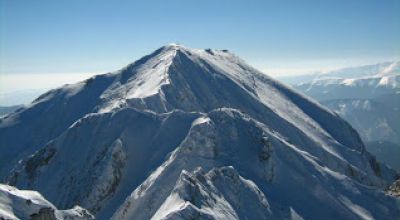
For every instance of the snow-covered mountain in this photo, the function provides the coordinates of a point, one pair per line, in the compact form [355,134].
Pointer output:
[25,204]
[187,133]
[341,73]
[368,97]
[363,82]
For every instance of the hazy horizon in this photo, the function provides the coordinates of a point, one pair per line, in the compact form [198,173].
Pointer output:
[16,89]
[47,44]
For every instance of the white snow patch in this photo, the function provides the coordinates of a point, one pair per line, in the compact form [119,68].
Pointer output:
[360,211]
[349,82]
[201,120]
[294,215]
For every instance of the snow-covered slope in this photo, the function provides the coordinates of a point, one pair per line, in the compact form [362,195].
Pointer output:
[181,130]
[25,204]
[219,194]
[286,175]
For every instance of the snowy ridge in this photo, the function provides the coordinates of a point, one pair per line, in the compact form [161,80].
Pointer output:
[144,81]
[358,82]
[216,195]
[271,161]
[390,81]
[24,204]
[186,123]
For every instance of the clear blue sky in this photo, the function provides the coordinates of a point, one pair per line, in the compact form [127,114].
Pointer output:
[47,36]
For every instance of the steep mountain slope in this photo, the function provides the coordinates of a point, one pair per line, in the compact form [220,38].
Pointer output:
[285,175]
[159,138]
[216,194]
[32,126]
[24,204]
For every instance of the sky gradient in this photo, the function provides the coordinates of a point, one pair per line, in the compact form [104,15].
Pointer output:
[277,37]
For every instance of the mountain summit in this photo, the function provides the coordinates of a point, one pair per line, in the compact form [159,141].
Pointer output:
[188,133]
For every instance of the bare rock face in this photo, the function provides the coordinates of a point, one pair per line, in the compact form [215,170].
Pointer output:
[394,189]
[44,214]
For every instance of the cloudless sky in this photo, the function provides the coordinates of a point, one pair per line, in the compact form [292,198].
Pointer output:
[276,36]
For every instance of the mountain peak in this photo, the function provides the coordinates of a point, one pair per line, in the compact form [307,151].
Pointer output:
[196,51]
[173,46]
[152,74]
[178,109]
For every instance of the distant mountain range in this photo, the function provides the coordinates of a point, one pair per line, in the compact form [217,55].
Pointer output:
[368,97]
[20,97]
[8,109]
[192,134]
